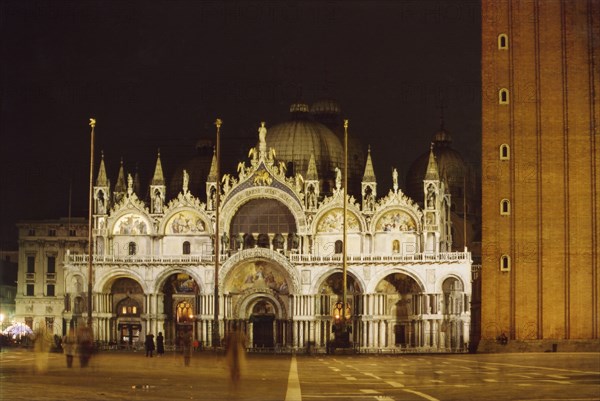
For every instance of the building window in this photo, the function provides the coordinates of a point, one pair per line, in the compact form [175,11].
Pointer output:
[504,152]
[51,264]
[186,248]
[52,232]
[502,41]
[132,248]
[29,290]
[503,96]
[30,264]
[339,245]
[505,207]
[505,263]
[50,290]
[50,324]
[72,233]
[31,232]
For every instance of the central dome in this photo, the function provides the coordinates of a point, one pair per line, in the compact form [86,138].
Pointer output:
[300,137]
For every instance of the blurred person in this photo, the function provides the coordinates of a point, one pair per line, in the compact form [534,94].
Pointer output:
[187,349]
[85,341]
[42,345]
[235,344]
[69,345]
[160,344]
[149,344]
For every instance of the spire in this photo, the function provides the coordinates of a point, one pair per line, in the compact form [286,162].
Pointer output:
[432,168]
[158,178]
[212,174]
[369,175]
[311,171]
[136,181]
[102,179]
[120,186]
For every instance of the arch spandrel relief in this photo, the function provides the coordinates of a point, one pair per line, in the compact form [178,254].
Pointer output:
[256,276]
[332,222]
[131,224]
[395,221]
[185,222]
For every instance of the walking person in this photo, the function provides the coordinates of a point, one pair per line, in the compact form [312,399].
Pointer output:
[187,349]
[160,344]
[235,343]
[85,342]
[69,345]
[149,344]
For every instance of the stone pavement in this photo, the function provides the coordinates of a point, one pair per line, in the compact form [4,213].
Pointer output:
[25,375]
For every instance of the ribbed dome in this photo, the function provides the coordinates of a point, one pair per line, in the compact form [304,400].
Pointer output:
[450,165]
[295,141]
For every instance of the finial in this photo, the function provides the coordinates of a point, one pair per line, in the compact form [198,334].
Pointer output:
[102,153]
[345,123]
[158,152]
[92,122]
[431,147]
[218,122]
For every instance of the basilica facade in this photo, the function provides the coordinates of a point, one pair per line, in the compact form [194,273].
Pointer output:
[280,261]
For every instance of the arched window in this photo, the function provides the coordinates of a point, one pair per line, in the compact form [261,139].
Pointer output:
[502,41]
[186,248]
[504,152]
[503,96]
[504,207]
[132,248]
[185,312]
[338,246]
[504,263]
[395,246]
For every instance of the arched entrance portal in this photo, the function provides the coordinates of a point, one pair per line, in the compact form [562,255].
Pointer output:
[128,298]
[181,305]
[399,292]
[263,324]
[257,295]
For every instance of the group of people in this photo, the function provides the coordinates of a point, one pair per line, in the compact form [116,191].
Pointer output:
[160,344]
[80,344]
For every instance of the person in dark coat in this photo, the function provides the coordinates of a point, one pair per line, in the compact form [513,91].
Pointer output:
[149,344]
[160,344]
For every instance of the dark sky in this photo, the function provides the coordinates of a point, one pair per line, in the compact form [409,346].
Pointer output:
[157,74]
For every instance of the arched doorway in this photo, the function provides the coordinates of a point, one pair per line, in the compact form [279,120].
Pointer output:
[399,292]
[263,328]
[128,301]
[330,292]
[181,306]
[257,294]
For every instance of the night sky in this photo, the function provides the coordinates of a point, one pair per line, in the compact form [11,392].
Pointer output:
[156,74]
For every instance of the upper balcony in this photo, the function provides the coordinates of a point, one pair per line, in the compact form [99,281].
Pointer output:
[302,259]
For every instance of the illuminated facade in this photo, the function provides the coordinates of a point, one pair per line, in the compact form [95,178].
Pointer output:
[280,270]
[540,63]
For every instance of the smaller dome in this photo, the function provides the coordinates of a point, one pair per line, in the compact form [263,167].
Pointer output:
[442,137]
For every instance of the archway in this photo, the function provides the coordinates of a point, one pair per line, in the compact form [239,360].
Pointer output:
[399,292]
[262,318]
[330,291]
[181,306]
[128,301]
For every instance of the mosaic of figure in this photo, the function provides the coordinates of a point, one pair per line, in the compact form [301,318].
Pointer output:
[131,224]
[185,223]
[257,275]
[333,222]
[395,221]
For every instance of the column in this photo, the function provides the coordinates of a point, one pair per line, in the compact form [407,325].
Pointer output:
[382,333]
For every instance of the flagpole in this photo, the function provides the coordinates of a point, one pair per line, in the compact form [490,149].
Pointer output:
[216,335]
[90,234]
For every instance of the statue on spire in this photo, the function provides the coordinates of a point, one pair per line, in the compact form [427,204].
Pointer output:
[395,179]
[262,139]
[186,181]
